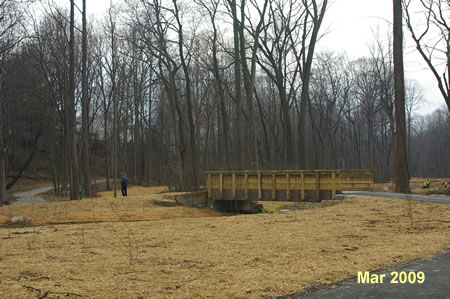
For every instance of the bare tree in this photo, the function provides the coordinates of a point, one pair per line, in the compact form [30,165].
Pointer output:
[401,171]
[249,72]
[10,17]
[413,98]
[237,86]
[316,13]
[184,59]
[331,84]
[432,39]
[381,59]
[71,112]
[275,46]
[84,106]
[212,9]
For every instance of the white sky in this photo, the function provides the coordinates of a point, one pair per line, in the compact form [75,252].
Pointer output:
[350,25]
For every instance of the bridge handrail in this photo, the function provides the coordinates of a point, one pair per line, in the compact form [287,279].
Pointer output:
[288,180]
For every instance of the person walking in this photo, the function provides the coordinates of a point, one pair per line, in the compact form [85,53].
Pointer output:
[124,184]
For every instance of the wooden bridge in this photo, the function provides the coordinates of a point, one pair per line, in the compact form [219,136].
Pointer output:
[285,185]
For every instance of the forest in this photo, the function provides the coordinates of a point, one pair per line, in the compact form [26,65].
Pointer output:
[167,89]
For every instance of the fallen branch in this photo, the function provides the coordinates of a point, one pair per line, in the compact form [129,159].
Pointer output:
[137,279]
[41,295]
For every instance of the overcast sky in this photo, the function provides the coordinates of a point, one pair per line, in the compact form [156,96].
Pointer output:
[349,27]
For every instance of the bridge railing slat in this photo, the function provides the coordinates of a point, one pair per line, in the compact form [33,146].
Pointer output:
[246,184]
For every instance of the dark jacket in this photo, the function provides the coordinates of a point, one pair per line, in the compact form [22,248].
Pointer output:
[124,181]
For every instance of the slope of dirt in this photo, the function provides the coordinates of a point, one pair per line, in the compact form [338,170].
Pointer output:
[238,256]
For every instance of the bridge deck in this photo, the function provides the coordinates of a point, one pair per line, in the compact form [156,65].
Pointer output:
[285,185]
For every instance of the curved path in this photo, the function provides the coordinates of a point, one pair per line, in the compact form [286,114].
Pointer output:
[30,196]
[428,198]
[435,285]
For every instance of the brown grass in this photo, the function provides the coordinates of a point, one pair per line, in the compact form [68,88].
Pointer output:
[138,206]
[238,256]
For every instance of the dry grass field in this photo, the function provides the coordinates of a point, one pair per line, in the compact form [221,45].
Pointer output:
[131,248]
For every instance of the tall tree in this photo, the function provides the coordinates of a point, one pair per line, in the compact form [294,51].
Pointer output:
[401,172]
[185,58]
[237,87]
[432,39]
[84,107]
[3,154]
[284,23]
[212,9]
[10,17]
[71,111]
[316,13]
[249,74]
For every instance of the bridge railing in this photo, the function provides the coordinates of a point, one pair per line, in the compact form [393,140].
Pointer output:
[285,185]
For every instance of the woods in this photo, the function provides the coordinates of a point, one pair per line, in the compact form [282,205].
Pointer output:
[165,90]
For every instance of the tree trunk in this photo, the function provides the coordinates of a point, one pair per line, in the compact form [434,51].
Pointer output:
[400,157]
[84,104]
[137,139]
[237,86]
[149,149]
[27,162]
[248,86]
[306,76]
[72,133]
[223,122]
[370,141]
[106,152]
[3,154]
[195,156]
[170,89]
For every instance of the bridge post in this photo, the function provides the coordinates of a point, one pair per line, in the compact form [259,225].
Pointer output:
[259,186]
[317,186]
[274,186]
[233,190]
[303,186]
[221,185]
[246,185]
[209,186]
[333,190]
[288,187]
